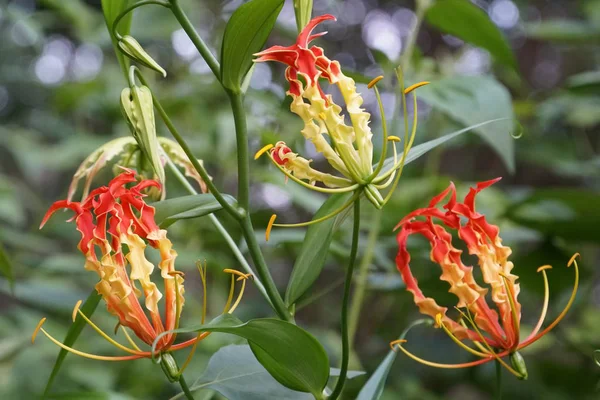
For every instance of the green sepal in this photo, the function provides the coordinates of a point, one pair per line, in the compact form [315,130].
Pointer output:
[136,52]
[138,109]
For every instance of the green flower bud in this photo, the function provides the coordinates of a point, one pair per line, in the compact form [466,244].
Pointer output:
[135,51]
[518,363]
[169,366]
[138,109]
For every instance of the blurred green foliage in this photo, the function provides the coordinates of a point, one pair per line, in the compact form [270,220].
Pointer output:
[59,100]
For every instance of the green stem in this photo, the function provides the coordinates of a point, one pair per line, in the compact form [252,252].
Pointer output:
[203,49]
[185,388]
[348,283]
[115,24]
[263,271]
[241,134]
[363,274]
[498,395]
[235,212]
[215,221]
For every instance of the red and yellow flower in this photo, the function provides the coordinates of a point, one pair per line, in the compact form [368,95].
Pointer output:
[493,329]
[116,225]
[347,147]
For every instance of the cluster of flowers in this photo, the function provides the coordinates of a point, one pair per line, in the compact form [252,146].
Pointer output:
[116,224]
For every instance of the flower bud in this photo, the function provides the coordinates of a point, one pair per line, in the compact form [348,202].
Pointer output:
[138,109]
[518,363]
[135,51]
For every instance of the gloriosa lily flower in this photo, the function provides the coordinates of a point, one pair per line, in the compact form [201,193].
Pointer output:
[116,225]
[494,332]
[347,148]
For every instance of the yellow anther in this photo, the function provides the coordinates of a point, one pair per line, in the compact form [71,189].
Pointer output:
[438,319]
[572,260]
[75,309]
[37,329]
[374,81]
[262,151]
[396,342]
[415,86]
[270,226]
[243,277]
[393,138]
[544,267]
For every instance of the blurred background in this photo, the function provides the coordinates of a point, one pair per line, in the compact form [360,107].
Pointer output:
[59,100]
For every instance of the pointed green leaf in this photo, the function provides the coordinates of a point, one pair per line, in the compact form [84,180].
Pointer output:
[6,267]
[468,22]
[472,99]
[291,355]
[419,150]
[88,308]
[374,386]
[186,207]
[313,254]
[246,34]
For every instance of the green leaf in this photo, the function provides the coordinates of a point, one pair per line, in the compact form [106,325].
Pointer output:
[303,11]
[468,22]
[562,30]
[568,213]
[374,386]
[111,10]
[471,100]
[88,308]
[186,207]
[6,267]
[419,150]
[235,373]
[245,34]
[311,259]
[291,355]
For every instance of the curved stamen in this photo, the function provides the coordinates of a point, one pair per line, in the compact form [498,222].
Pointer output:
[408,142]
[81,353]
[398,344]
[383,128]
[269,227]
[538,326]
[104,335]
[344,189]
[407,147]
[533,339]
[393,174]
[476,343]
[230,297]
[324,218]
[75,309]
[262,151]
[202,271]
[415,86]
[129,339]
[513,310]
[438,321]
[495,356]
[374,81]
